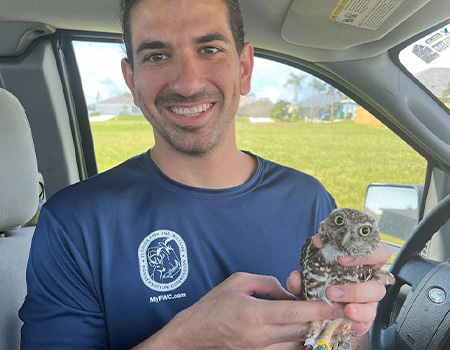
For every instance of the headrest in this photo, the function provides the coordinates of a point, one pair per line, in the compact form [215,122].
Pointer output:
[18,165]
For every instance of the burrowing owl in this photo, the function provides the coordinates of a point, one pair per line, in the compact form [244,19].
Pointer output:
[345,232]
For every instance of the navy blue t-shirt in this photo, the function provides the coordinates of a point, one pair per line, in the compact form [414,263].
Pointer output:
[116,257]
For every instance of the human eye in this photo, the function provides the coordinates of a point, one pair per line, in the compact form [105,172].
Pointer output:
[156,57]
[210,50]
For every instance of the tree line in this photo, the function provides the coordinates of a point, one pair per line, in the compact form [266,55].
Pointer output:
[298,108]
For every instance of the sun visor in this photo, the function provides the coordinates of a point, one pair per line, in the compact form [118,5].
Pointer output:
[346,23]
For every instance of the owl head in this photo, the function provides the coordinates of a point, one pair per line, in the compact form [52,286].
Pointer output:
[350,231]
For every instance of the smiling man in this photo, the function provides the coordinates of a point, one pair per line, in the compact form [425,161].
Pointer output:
[187,75]
[169,249]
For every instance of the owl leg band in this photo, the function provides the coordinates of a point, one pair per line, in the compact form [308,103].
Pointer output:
[322,344]
[309,344]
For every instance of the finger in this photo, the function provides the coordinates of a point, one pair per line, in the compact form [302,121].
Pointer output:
[361,312]
[297,312]
[288,333]
[377,259]
[360,328]
[285,346]
[251,284]
[317,240]
[294,283]
[371,291]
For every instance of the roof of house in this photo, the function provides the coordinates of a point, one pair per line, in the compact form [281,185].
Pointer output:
[117,100]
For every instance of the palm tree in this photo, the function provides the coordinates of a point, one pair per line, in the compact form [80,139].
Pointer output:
[296,82]
[319,86]
[334,93]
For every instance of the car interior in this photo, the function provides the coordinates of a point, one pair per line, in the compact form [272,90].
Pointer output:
[46,140]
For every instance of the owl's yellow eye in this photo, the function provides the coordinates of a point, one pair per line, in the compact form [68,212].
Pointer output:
[339,220]
[365,231]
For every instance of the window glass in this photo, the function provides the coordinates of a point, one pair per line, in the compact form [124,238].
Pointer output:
[428,59]
[118,128]
[289,117]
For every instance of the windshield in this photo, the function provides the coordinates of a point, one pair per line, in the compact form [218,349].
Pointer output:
[428,59]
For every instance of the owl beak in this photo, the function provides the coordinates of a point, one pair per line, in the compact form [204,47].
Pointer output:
[346,237]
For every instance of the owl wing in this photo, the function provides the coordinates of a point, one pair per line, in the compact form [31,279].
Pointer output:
[307,249]
[310,256]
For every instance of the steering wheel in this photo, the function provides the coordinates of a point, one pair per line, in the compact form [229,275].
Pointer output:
[424,319]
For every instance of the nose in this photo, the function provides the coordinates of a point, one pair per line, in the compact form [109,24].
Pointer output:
[187,77]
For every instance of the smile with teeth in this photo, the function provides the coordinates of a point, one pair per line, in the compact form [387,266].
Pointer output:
[191,111]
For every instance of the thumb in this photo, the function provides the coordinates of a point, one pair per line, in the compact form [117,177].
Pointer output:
[294,283]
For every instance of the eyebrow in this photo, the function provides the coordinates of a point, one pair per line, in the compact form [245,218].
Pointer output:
[158,45]
[151,45]
[211,37]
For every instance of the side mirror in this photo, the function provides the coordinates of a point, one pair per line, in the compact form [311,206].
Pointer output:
[395,208]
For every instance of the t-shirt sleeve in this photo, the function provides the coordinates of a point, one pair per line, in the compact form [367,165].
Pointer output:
[62,308]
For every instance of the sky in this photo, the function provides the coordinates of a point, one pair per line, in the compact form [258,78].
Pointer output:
[99,65]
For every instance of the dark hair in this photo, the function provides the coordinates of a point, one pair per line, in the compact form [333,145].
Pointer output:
[234,19]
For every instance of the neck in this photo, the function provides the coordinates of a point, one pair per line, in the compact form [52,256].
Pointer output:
[218,169]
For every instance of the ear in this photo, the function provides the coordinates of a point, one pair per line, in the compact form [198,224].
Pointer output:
[128,75]
[246,68]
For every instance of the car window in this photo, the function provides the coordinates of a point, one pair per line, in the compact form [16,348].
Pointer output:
[289,117]
[428,59]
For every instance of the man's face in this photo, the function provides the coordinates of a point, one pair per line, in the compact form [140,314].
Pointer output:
[187,75]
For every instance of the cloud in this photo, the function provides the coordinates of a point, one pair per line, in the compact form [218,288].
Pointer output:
[99,65]
[269,79]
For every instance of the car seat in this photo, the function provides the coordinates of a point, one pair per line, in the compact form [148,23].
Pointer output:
[18,204]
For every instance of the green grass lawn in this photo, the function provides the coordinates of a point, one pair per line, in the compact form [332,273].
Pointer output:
[345,157]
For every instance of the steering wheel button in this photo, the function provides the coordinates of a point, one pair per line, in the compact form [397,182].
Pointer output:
[437,295]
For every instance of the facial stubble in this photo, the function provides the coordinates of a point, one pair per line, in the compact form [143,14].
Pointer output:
[193,141]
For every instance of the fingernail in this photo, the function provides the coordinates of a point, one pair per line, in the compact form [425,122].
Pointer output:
[346,259]
[355,311]
[291,296]
[318,240]
[296,278]
[335,292]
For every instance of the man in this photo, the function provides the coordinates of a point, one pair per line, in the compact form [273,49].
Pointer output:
[169,249]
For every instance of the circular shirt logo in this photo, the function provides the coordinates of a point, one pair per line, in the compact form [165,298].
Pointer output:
[163,260]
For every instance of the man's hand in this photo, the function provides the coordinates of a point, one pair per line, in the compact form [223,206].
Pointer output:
[362,298]
[230,317]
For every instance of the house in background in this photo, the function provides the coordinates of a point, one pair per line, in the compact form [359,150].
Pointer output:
[122,105]
[252,108]
[349,108]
